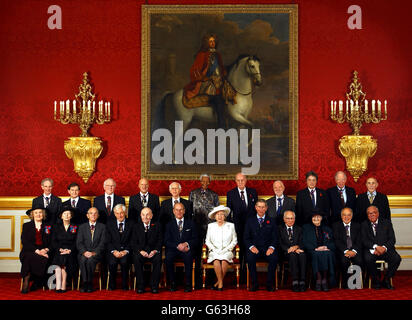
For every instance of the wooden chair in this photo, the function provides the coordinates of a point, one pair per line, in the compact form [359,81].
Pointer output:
[260,264]
[98,270]
[235,265]
[282,264]
[382,266]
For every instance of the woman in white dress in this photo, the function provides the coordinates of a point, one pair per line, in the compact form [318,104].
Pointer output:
[220,239]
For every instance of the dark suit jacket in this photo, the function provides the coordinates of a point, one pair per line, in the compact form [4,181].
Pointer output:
[114,240]
[288,204]
[309,237]
[297,238]
[82,206]
[135,206]
[336,204]
[54,207]
[100,203]
[166,211]
[153,241]
[84,239]
[189,234]
[339,234]
[385,235]
[380,201]
[28,237]
[240,214]
[304,205]
[261,237]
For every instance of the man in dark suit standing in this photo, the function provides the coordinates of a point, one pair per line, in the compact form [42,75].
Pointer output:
[241,201]
[180,241]
[291,244]
[378,239]
[119,235]
[348,241]
[309,199]
[147,247]
[49,201]
[261,240]
[278,204]
[107,201]
[340,196]
[90,244]
[79,204]
[142,200]
[166,208]
[372,198]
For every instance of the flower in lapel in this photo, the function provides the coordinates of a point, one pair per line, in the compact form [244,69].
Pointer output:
[152,225]
[73,229]
[320,194]
[251,197]
[267,222]
[47,229]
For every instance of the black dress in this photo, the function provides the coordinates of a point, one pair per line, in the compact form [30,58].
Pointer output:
[31,262]
[62,239]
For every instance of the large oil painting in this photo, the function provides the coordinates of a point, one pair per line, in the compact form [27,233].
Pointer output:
[219,91]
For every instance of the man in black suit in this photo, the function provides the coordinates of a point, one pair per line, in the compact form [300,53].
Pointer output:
[348,241]
[241,201]
[49,201]
[79,204]
[180,241]
[142,200]
[309,199]
[378,239]
[291,244]
[280,203]
[261,240]
[90,244]
[147,247]
[166,208]
[107,201]
[372,198]
[119,235]
[340,196]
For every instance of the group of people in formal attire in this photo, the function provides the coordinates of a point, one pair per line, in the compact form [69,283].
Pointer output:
[322,231]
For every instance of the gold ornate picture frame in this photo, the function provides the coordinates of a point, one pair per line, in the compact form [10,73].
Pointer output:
[264,142]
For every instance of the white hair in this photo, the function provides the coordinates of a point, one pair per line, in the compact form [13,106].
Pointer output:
[205,175]
[104,183]
[178,184]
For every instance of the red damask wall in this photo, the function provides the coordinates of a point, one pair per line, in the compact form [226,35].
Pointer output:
[38,66]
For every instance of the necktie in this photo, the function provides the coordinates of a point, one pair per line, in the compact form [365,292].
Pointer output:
[146,229]
[312,195]
[121,227]
[342,199]
[74,203]
[174,202]
[180,228]
[374,228]
[371,197]
[260,222]
[109,205]
[47,201]
[144,200]
[348,238]
[279,206]
[290,234]
[242,197]
[92,230]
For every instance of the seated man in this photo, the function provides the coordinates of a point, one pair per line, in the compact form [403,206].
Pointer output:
[147,247]
[348,242]
[261,239]
[291,243]
[180,241]
[79,204]
[119,235]
[90,246]
[378,239]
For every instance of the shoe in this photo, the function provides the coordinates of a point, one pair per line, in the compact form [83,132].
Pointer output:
[173,287]
[295,288]
[63,291]
[58,290]
[325,287]
[254,288]
[387,284]
[376,285]
[125,288]
[34,287]
[140,290]
[220,289]
[189,288]
[111,288]
[90,288]
[270,288]
[213,287]
[302,287]
[318,287]
[155,290]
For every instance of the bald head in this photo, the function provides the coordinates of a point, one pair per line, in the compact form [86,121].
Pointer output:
[240,180]
[143,185]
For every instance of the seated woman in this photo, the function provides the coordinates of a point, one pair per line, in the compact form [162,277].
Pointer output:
[64,248]
[220,239]
[34,255]
[319,245]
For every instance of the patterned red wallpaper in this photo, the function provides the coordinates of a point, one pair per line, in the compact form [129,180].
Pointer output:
[39,66]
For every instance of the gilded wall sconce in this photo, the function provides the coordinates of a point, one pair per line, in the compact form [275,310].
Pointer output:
[85,149]
[356,148]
